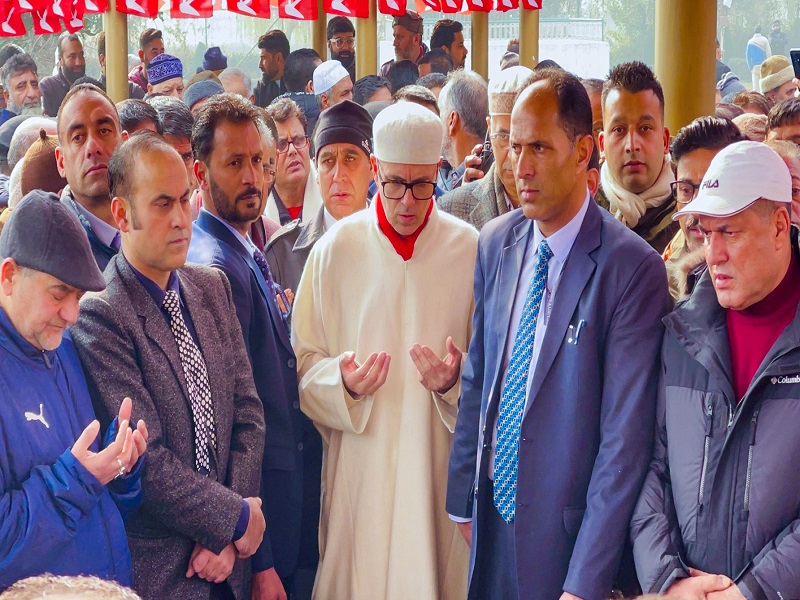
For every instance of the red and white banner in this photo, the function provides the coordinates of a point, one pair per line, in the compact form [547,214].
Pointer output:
[506,5]
[422,6]
[249,8]
[392,7]
[347,8]
[11,25]
[46,22]
[24,6]
[92,7]
[191,9]
[301,10]
[73,21]
[479,5]
[532,4]
[138,8]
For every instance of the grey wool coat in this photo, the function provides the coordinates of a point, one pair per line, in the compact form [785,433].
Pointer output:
[477,202]
[127,349]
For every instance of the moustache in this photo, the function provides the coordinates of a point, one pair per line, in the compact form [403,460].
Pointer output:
[251,191]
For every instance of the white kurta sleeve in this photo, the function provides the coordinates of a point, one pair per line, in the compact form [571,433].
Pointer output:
[323,397]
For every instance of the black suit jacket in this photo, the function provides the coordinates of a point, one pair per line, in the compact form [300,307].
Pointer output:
[127,349]
[293,449]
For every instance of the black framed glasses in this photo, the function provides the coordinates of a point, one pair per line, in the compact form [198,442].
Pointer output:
[299,142]
[395,190]
[684,190]
[342,42]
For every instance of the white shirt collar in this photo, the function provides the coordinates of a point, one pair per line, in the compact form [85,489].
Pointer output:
[329,220]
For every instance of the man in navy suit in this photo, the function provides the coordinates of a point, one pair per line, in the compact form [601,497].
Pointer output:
[556,419]
[229,166]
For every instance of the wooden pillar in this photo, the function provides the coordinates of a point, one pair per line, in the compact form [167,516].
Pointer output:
[367,43]
[319,33]
[115,25]
[687,77]
[480,43]
[528,38]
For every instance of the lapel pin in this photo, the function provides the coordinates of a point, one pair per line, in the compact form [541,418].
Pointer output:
[575,332]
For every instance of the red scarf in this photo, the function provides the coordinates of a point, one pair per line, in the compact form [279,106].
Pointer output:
[295,211]
[403,245]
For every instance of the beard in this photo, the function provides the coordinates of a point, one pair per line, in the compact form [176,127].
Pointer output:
[34,110]
[71,76]
[227,207]
[347,59]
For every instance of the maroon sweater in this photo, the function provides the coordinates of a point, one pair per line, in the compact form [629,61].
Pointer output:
[753,331]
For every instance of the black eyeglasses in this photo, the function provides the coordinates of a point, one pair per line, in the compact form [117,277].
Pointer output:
[684,190]
[298,141]
[395,190]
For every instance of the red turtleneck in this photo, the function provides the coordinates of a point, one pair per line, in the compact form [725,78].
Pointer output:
[753,331]
[403,244]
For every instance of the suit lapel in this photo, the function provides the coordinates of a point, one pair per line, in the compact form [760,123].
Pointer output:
[154,323]
[217,230]
[510,268]
[575,275]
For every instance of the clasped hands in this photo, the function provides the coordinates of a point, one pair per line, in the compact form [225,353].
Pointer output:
[435,374]
[705,586]
[216,568]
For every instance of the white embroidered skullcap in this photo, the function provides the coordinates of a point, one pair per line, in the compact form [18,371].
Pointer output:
[407,133]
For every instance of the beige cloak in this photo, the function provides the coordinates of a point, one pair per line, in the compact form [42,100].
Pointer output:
[384,531]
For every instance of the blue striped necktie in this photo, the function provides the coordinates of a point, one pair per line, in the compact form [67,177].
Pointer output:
[512,401]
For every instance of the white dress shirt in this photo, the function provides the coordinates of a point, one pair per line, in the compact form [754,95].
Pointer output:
[560,243]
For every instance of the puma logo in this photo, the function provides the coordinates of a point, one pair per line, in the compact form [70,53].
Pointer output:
[40,417]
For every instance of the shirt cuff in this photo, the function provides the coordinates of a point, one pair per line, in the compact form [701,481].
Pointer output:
[241,524]
[459,519]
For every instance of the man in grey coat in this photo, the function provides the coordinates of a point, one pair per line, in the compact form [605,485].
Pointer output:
[495,193]
[166,334]
[343,141]
[717,517]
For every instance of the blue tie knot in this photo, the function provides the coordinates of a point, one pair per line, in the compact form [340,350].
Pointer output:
[545,254]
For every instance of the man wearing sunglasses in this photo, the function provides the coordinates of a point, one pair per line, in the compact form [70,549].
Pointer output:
[342,43]
[381,316]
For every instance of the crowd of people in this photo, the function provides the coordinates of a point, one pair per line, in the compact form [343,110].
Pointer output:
[413,335]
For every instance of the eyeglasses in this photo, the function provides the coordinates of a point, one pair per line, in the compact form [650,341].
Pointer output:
[684,190]
[502,140]
[395,190]
[299,142]
[343,41]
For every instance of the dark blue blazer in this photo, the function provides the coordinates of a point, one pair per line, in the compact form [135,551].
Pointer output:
[275,372]
[587,432]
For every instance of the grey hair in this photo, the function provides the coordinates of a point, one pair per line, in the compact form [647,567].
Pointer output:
[17,64]
[24,137]
[465,93]
[235,72]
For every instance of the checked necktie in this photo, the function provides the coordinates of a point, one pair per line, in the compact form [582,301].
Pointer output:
[512,402]
[194,368]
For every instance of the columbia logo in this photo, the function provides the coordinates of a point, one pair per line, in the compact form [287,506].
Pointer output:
[708,184]
[785,379]
[365,144]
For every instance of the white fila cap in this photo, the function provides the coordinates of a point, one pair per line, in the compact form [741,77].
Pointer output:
[738,176]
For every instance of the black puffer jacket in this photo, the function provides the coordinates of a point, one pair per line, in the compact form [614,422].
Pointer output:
[723,490]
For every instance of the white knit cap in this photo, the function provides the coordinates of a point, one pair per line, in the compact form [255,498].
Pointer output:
[408,134]
[738,176]
[503,89]
[327,75]
[775,71]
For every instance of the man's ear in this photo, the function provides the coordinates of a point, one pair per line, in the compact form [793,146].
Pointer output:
[666,140]
[453,123]
[60,162]
[8,268]
[201,175]
[141,55]
[119,212]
